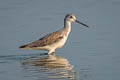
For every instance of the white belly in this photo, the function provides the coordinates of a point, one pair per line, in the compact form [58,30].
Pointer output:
[59,44]
[54,46]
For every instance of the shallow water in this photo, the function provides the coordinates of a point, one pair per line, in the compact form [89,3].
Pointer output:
[89,54]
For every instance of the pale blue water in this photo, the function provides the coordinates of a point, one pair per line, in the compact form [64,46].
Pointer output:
[89,54]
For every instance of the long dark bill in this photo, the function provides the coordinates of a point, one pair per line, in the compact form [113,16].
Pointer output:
[82,23]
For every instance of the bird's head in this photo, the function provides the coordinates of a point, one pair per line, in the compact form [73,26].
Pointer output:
[71,18]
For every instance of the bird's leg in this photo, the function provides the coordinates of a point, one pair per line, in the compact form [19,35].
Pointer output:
[51,52]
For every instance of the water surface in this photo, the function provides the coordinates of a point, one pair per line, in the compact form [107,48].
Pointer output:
[89,54]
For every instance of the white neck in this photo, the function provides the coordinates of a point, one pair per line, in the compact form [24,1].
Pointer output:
[67,26]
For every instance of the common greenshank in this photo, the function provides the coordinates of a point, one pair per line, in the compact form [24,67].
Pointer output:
[54,40]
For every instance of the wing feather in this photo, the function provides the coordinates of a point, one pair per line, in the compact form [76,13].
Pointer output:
[47,40]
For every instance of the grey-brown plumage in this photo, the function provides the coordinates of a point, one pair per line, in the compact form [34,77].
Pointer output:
[47,40]
[55,40]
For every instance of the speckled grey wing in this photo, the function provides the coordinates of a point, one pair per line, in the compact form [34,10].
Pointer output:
[47,40]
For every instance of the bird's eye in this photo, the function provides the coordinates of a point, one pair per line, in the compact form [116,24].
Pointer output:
[71,17]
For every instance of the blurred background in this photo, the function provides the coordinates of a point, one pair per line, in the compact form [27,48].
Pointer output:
[89,54]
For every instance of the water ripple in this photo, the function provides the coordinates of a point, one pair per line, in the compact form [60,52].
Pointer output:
[48,67]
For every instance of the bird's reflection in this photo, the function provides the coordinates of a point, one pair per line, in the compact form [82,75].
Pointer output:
[49,67]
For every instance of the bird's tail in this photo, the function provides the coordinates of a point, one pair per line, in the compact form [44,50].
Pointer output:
[23,46]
